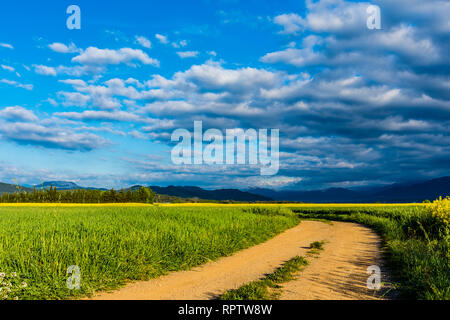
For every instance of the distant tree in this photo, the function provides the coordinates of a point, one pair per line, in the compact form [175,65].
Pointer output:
[52,195]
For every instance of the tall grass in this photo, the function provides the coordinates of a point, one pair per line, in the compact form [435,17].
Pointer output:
[115,244]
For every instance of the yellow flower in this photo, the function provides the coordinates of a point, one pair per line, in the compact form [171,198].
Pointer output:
[440,210]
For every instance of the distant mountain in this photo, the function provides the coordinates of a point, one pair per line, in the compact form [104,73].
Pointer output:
[407,192]
[219,195]
[10,188]
[63,185]
[415,192]
[181,192]
[336,195]
[59,185]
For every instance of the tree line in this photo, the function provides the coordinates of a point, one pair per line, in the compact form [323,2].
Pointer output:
[52,195]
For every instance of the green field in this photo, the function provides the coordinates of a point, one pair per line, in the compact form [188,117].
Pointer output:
[113,244]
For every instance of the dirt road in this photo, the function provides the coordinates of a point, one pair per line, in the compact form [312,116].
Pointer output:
[338,273]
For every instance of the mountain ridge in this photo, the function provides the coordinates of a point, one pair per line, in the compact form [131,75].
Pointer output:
[399,192]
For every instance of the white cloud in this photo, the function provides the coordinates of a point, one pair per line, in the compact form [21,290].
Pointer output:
[326,16]
[187,54]
[404,40]
[8,68]
[62,48]
[52,102]
[96,56]
[213,76]
[18,113]
[76,71]
[74,99]
[266,182]
[138,135]
[51,137]
[291,22]
[161,38]
[45,70]
[74,82]
[6,45]
[99,116]
[143,41]
[179,44]
[17,84]
[297,57]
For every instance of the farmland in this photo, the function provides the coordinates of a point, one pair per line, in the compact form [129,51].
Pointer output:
[114,243]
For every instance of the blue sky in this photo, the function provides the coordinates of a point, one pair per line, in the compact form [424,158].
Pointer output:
[97,106]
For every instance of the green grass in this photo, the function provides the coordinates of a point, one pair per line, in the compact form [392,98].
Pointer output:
[417,252]
[114,244]
[266,289]
[317,245]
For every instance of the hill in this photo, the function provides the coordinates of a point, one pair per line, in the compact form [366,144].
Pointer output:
[218,195]
[63,185]
[336,195]
[408,192]
[10,188]
[175,193]
[416,192]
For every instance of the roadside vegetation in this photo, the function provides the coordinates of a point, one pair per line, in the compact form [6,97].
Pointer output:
[416,239]
[114,243]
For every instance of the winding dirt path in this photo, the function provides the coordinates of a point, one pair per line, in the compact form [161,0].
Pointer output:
[338,273]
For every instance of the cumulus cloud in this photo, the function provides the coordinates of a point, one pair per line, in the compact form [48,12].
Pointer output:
[162,38]
[99,116]
[17,84]
[62,48]
[22,126]
[291,22]
[76,71]
[96,56]
[18,113]
[7,68]
[45,70]
[36,134]
[143,41]
[179,44]
[307,55]
[275,182]
[353,106]
[187,54]
[6,45]
[326,16]
[213,76]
